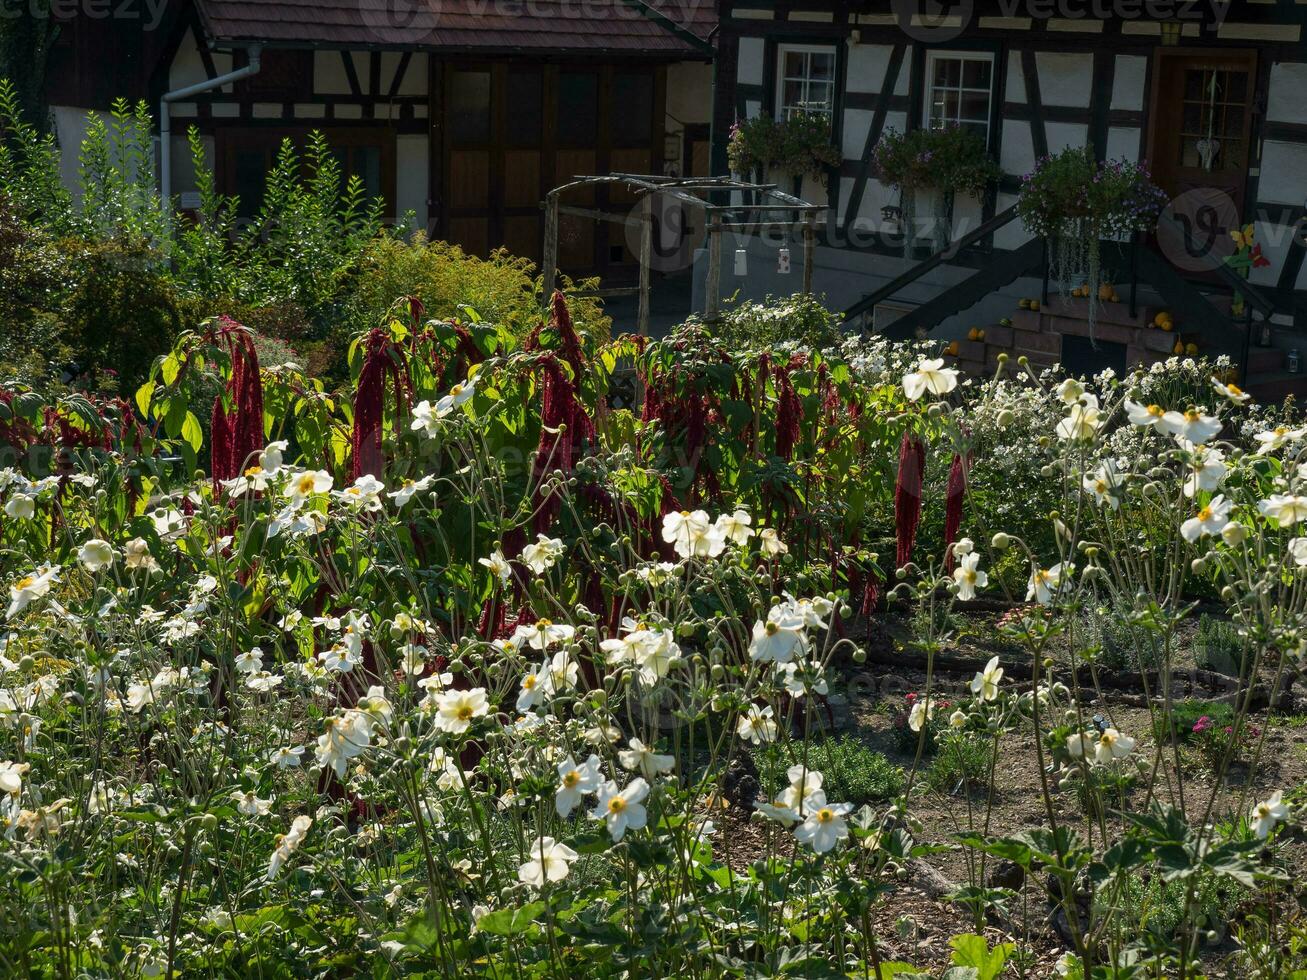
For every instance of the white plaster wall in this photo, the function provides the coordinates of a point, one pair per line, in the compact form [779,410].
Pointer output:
[1062,135]
[1065,79]
[187,68]
[69,128]
[411,172]
[1284,172]
[749,67]
[1123,141]
[857,123]
[1128,82]
[1016,81]
[1016,155]
[866,66]
[689,92]
[905,74]
[329,76]
[1287,99]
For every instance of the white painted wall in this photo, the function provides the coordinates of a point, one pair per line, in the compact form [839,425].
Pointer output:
[1286,101]
[1284,173]
[749,62]
[1065,79]
[69,128]
[1128,82]
[866,66]
[411,177]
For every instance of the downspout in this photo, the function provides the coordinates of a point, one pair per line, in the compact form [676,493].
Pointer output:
[255,52]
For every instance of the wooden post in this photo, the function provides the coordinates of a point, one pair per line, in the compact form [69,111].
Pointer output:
[646,258]
[809,246]
[549,267]
[712,288]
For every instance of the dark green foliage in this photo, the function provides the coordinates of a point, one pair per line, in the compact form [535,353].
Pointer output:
[853,772]
[1218,646]
[1185,714]
[961,762]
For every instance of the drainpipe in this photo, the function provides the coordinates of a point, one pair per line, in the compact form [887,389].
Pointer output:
[165,123]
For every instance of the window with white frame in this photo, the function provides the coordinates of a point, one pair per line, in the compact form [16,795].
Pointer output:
[960,90]
[805,80]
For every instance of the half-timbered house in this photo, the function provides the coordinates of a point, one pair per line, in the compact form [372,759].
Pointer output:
[1212,95]
[460,114]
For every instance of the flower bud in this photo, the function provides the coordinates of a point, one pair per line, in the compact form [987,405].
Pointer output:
[1000,541]
[859,656]
[1198,566]
[1006,417]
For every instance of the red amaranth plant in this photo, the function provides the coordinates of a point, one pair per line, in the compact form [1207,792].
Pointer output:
[382,359]
[563,424]
[236,434]
[957,492]
[789,410]
[907,495]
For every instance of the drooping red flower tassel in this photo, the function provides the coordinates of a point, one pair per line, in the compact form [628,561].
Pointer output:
[907,495]
[957,492]
[789,412]
[382,359]
[236,435]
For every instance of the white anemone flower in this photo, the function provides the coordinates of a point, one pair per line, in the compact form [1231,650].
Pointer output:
[456,710]
[985,683]
[96,555]
[1044,582]
[825,827]
[735,527]
[1298,551]
[542,554]
[692,535]
[776,640]
[575,782]
[1285,509]
[1232,392]
[969,577]
[757,725]
[409,489]
[249,804]
[306,484]
[136,554]
[1210,519]
[287,844]
[931,376]
[923,710]
[644,759]
[31,587]
[363,494]
[21,507]
[1266,814]
[11,777]
[287,757]
[1277,438]
[1191,425]
[498,566]
[1144,416]
[1112,745]
[771,543]
[458,395]
[622,809]
[805,790]
[1103,483]
[536,687]
[1206,469]
[1070,390]
[1081,425]
[1234,534]
[543,633]
[549,861]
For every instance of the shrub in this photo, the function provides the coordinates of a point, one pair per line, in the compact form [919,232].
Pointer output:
[961,762]
[800,319]
[951,158]
[1218,646]
[852,771]
[1186,715]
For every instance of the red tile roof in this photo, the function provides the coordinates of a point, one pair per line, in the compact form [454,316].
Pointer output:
[660,28]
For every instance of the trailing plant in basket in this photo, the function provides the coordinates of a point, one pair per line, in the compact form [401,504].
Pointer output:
[1075,201]
[800,145]
[951,159]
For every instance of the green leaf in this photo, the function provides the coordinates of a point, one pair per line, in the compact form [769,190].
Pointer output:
[143,395]
[192,432]
[972,951]
[510,922]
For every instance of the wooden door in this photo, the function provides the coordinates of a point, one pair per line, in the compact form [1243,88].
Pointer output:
[1199,143]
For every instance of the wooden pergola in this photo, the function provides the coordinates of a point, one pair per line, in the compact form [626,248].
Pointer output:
[729,205]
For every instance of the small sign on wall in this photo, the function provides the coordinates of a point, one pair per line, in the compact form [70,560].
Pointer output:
[190,200]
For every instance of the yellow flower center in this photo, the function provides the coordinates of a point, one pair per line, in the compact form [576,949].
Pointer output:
[771,628]
[571,779]
[1192,415]
[543,624]
[1205,514]
[1156,411]
[685,513]
[305,484]
[616,805]
[1234,389]
[825,815]
[1101,486]
[970,576]
[254,471]
[26,582]
[456,390]
[464,712]
[529,682]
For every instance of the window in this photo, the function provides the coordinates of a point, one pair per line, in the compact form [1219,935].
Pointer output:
[805,81]
[959,90]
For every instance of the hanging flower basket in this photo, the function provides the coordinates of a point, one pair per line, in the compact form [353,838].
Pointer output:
[1075,201]
[948,160]
[800,146]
